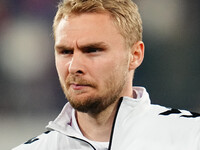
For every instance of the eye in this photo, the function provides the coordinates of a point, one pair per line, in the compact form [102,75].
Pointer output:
[92,50]
[66,52]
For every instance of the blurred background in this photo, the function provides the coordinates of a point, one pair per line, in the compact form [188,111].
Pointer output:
[30,93]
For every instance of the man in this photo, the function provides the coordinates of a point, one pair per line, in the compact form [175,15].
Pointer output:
[98,46]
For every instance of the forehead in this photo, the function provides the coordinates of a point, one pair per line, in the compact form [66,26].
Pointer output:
[87,28]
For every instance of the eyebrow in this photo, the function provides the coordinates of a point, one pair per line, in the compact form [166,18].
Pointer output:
[101,45]
[94,45]
[60,47]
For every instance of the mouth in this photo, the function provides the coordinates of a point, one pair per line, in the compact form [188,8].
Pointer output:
[75,86]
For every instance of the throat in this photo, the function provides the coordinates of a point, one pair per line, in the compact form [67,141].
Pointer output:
[97,127]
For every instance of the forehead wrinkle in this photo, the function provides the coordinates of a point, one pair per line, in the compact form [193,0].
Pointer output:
[62,44]
[92,44]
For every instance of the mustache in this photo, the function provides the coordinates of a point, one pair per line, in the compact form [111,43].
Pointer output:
[79,81]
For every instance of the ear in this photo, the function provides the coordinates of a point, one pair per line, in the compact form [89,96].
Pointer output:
[137,55]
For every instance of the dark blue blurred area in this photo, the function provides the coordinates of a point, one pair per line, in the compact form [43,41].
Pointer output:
[29,85]
[28,79]
[171,69]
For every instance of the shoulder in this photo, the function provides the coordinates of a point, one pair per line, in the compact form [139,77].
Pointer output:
[174,120]
[41,142]
[167,113]
[159,119]
[159,125]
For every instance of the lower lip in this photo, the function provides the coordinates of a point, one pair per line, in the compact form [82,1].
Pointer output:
[77,87]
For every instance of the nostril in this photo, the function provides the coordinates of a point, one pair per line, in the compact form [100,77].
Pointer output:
[79,72]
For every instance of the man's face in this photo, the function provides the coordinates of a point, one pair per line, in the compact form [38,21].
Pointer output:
[92,61]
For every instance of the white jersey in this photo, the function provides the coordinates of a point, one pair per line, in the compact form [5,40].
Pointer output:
[138,125]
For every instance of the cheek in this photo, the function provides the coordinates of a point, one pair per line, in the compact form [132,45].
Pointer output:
[114,69]
[105,70]
[61,69]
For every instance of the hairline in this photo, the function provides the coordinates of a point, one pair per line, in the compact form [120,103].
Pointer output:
[113,19]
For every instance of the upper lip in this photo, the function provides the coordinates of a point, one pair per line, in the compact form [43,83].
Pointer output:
[77,84]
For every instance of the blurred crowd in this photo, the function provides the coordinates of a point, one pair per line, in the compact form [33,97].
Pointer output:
[28,80]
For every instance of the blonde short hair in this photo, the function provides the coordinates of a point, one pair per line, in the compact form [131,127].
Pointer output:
[124,13]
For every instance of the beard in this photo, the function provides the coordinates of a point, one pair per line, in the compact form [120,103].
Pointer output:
[104,97]
[95,103]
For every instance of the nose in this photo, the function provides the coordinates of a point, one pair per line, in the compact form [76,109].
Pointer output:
[76,65]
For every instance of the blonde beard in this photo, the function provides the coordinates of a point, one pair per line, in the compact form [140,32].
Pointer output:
[97,103]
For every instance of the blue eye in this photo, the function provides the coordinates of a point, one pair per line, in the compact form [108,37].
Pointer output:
[64,52]
[92,50]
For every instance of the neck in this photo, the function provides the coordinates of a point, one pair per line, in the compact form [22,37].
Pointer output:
[97,127]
